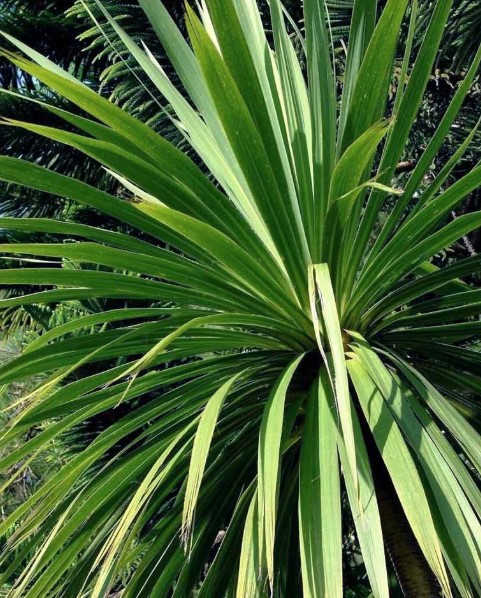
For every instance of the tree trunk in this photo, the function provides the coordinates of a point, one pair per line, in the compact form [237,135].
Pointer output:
[412,571]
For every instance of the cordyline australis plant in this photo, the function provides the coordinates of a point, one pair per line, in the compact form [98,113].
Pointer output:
[309,346]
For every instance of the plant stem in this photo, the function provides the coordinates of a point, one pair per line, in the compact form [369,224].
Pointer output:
[411,568]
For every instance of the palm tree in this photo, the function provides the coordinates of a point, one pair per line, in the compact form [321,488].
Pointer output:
[299,346]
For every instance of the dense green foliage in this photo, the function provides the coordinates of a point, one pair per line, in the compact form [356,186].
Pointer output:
[278,353]
[38,471]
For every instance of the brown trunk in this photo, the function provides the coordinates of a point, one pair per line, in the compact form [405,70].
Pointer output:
[413,573]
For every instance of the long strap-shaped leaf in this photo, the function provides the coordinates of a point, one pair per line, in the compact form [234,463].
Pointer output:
[319,496]
[332,343]
[84,231]
[21,172]
[409,260]
[322,103]
[345,203]
[161,468]
[401,467]
[249,583]
[207,139]
[293,93]
[284,225]
[365,513]
[421,224]
[89,284]
[444,309]
[40,178]
[170,267]
[219,245]
[433,281]
[405,116]
[218,576]
[81,406]
[453,503]
[368,99]
[175,192]
[449,333]
[133,130]
[240,60]
[461,429]
[268,465]
[362,27]
[428,155]
[200,450]
[92,128]
[164,155]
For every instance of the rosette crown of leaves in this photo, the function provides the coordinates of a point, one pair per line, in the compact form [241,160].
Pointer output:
[279,339]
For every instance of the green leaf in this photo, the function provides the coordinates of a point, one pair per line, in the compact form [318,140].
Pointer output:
[249,583]
[401,467]
[452,502]
[345,199]
[219,572]
[369,93]
[362,27]
[252,252]
[213,148]
[430,152]
[370,287]
[365,511]
[416,229]
[270,437]
[336,360]
[13,170]
[319,496]
[155,476]
[322,102]
[297,118]
[464,433]
[200,451]
[407,110]
[218,245]
[432,281]
[283,222]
